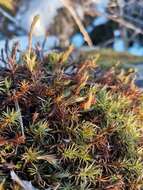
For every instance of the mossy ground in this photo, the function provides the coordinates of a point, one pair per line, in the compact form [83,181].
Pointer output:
[69,130]
[109,58]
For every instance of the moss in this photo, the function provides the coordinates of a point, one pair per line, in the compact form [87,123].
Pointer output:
[110,58]
[75,130]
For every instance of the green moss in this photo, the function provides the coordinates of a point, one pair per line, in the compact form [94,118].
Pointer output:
[110,58]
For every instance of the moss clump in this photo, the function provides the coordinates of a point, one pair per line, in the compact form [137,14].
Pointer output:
[68,126]
[109,58]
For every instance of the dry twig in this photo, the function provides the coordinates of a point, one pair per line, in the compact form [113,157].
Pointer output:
[78,22]
[119,20]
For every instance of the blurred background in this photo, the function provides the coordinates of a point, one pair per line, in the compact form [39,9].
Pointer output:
[113,24]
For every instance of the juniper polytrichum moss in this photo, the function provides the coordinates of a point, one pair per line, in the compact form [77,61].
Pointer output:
[69,125]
